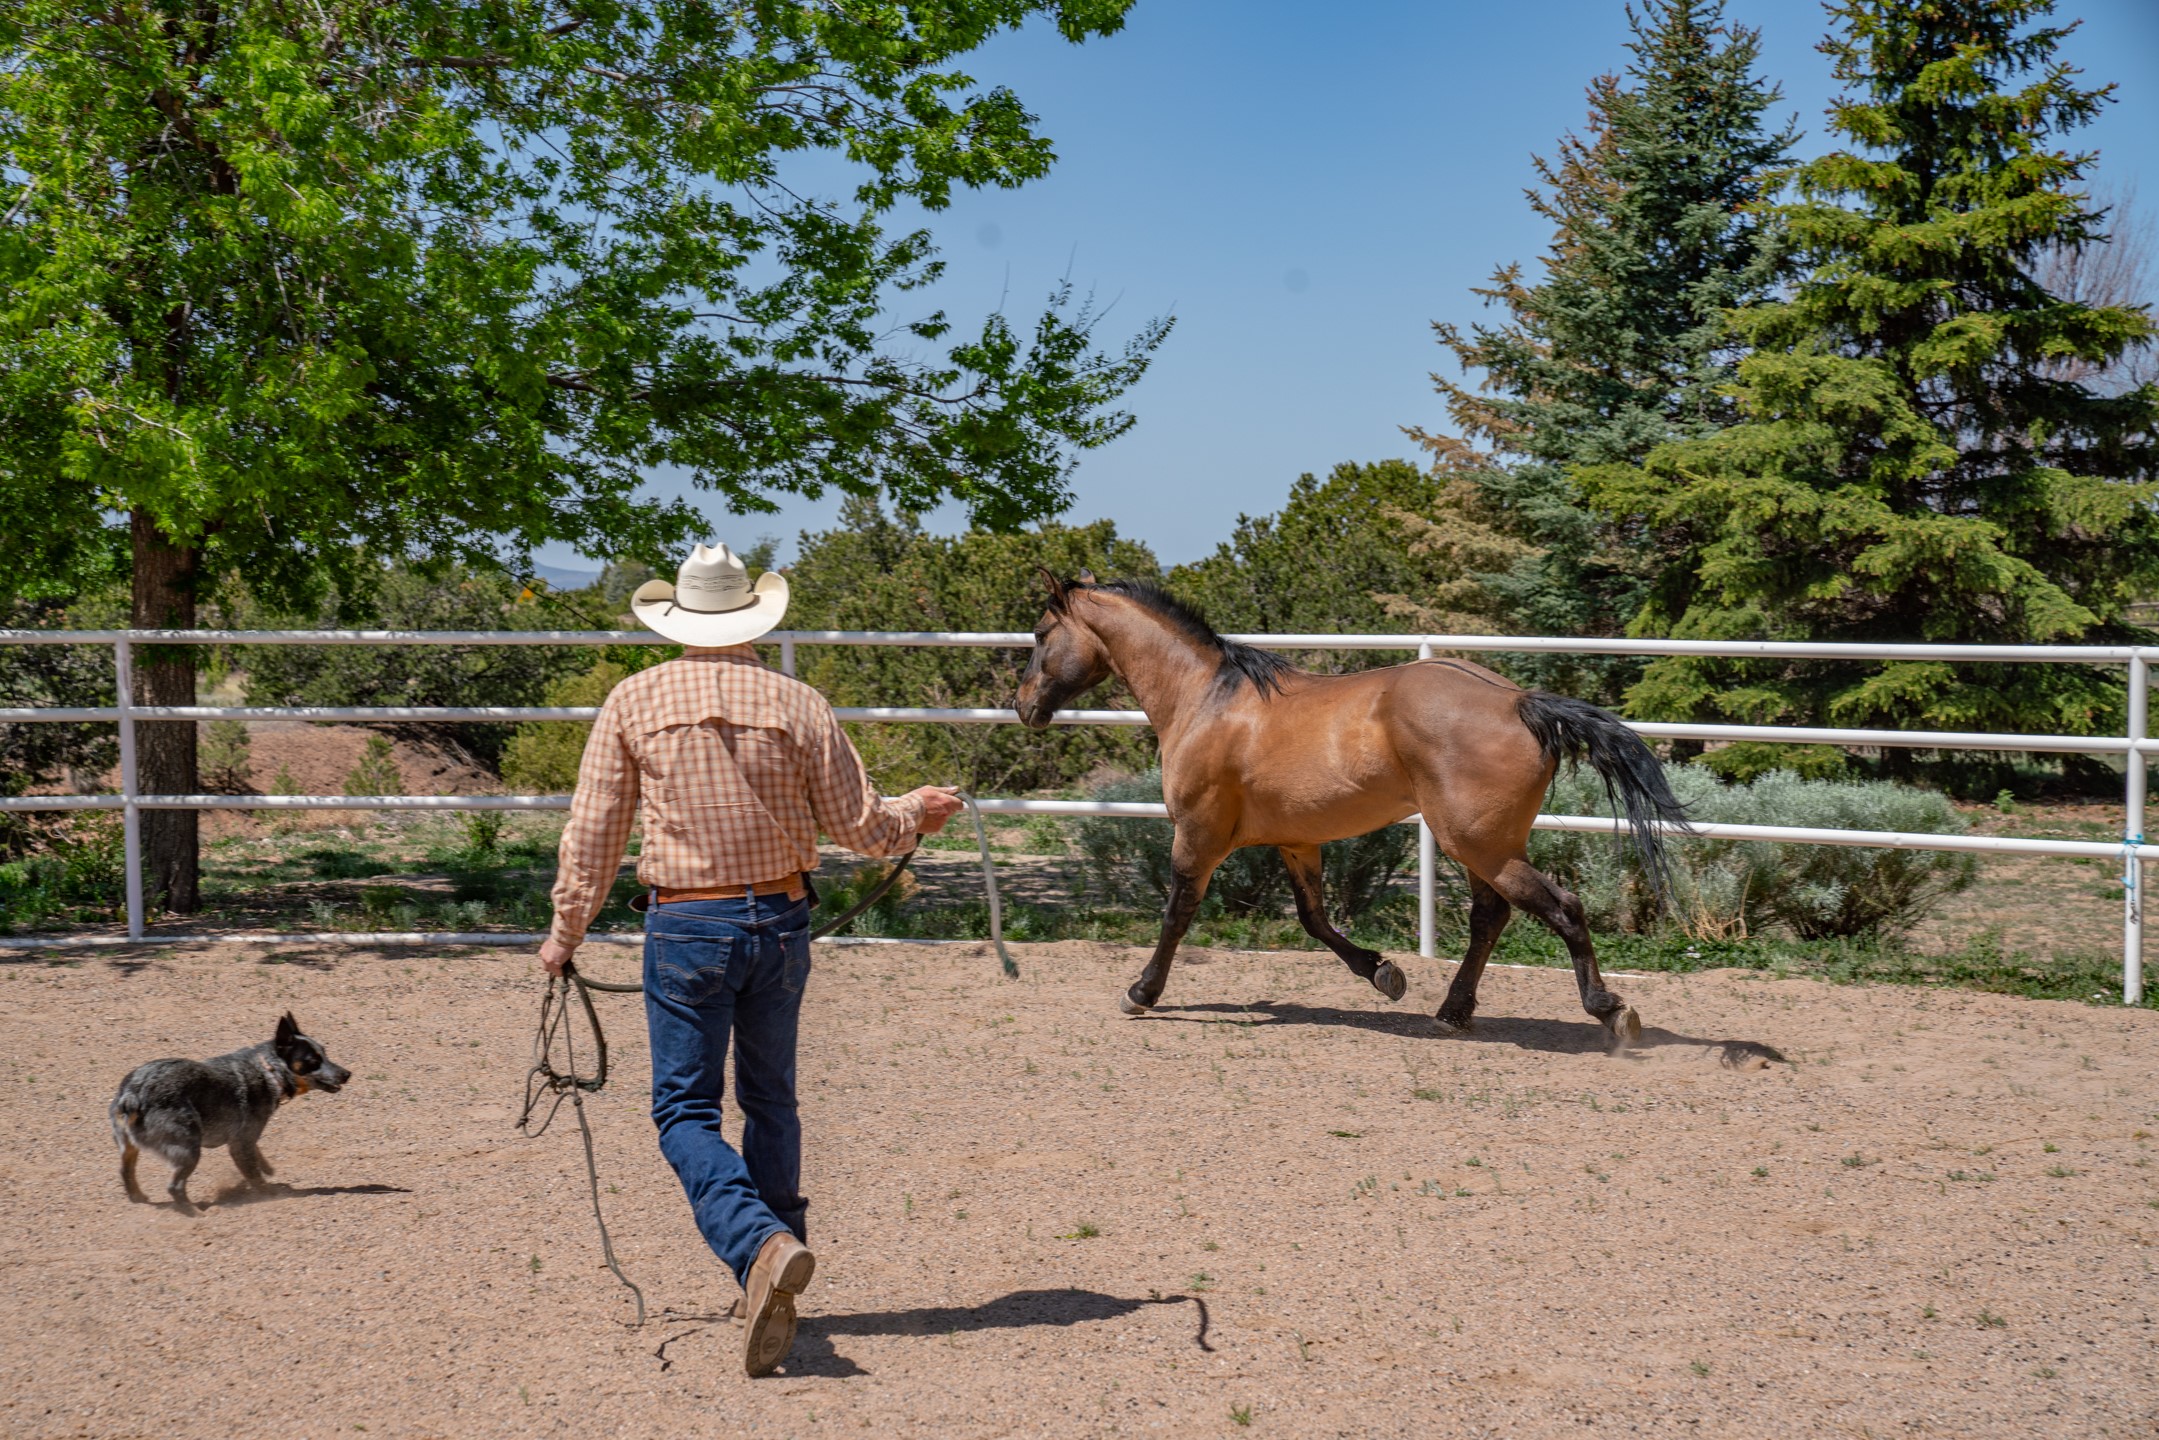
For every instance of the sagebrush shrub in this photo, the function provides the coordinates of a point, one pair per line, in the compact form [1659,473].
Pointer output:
[1128,861]
[1723,889]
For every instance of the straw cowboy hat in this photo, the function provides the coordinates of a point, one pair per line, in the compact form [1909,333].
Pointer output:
[712,601]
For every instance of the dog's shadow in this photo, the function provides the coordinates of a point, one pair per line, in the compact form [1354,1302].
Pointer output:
[245,1194]
[1554,1037]
[815,1354]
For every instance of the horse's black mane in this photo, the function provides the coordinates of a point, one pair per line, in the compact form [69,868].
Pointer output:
[1263,668]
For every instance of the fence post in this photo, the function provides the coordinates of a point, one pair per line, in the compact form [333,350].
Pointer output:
[787,657]
[1427,873]
[123,669]
[2134,775]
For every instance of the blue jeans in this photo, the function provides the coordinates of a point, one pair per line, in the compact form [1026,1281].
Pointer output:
[715,970]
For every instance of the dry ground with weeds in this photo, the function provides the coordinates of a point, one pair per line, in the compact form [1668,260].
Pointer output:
[1278,1206]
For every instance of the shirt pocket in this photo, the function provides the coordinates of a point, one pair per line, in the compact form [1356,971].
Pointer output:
[693,970]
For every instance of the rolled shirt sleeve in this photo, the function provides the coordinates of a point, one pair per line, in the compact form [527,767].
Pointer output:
[848,808]
[601,815]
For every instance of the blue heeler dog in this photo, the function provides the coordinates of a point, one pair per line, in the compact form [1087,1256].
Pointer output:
[177,1107]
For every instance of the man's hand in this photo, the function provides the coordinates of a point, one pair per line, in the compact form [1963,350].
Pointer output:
[556,956]
[939,804]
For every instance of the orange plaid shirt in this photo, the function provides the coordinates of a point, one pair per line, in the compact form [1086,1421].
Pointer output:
[738,768]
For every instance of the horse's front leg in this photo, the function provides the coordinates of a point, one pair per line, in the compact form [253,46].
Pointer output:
[1191,866]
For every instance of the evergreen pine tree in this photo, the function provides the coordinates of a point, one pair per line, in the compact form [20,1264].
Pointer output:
[1914,463]
[1620,345]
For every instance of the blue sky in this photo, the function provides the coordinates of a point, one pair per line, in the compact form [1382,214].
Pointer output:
[1306,196]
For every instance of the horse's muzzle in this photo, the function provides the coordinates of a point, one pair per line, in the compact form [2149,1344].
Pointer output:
[1034,712]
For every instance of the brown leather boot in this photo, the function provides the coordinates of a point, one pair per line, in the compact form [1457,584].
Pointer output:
[780,1272]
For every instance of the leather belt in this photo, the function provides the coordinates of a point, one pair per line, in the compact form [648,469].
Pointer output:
[791,887]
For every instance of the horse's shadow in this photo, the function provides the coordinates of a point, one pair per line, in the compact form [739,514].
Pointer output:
[1405,1023]
[814,1353]
[1553,1037]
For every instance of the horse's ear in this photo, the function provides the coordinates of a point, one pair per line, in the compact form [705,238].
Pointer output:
[1086,577]
[1057,588]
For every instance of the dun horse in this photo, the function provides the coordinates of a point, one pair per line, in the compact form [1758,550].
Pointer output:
[1257,752]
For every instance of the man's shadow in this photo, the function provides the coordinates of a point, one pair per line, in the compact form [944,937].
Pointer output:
[814,1353]
[244,1194]
[1554,1037]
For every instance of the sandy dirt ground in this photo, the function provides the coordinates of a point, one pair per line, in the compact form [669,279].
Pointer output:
[1279,1206]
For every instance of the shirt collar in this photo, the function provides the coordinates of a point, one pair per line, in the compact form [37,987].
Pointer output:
[745,653]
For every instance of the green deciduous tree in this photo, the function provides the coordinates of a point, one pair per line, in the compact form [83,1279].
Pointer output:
[1913,461]
[542,757]
[282,283]
[1619,344]
[46,753]
[1330,560]
[433,595]
[875,572]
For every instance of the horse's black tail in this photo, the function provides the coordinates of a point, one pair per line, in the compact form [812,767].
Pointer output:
[1574,730]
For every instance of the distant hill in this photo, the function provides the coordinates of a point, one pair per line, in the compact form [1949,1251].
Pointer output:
[560,578]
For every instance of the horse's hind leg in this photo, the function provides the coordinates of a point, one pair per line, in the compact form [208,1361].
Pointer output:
[1305,869]
[1488,915]
[1532,890]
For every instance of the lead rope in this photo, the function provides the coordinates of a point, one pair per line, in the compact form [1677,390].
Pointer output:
[2131,871]
[544,1079]
[989,883]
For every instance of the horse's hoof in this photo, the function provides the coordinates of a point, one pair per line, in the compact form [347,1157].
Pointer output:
[1131,1006]
[1446,1026]
[1626,1029]
[1389,980]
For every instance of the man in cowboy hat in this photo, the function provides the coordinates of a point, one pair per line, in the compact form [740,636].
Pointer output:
[738,768]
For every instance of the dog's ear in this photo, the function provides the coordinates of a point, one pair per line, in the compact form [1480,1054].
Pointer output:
[288,1029]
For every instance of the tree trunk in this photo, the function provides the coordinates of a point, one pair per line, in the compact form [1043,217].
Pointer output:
[164,599]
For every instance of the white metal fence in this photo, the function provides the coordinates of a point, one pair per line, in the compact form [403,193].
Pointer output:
[2133,746]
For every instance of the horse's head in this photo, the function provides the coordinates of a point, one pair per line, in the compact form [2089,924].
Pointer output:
[1068,660]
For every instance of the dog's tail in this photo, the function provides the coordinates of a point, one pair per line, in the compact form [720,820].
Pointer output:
[1575,730]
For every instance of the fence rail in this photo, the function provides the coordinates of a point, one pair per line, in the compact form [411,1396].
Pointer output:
[2132,746]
